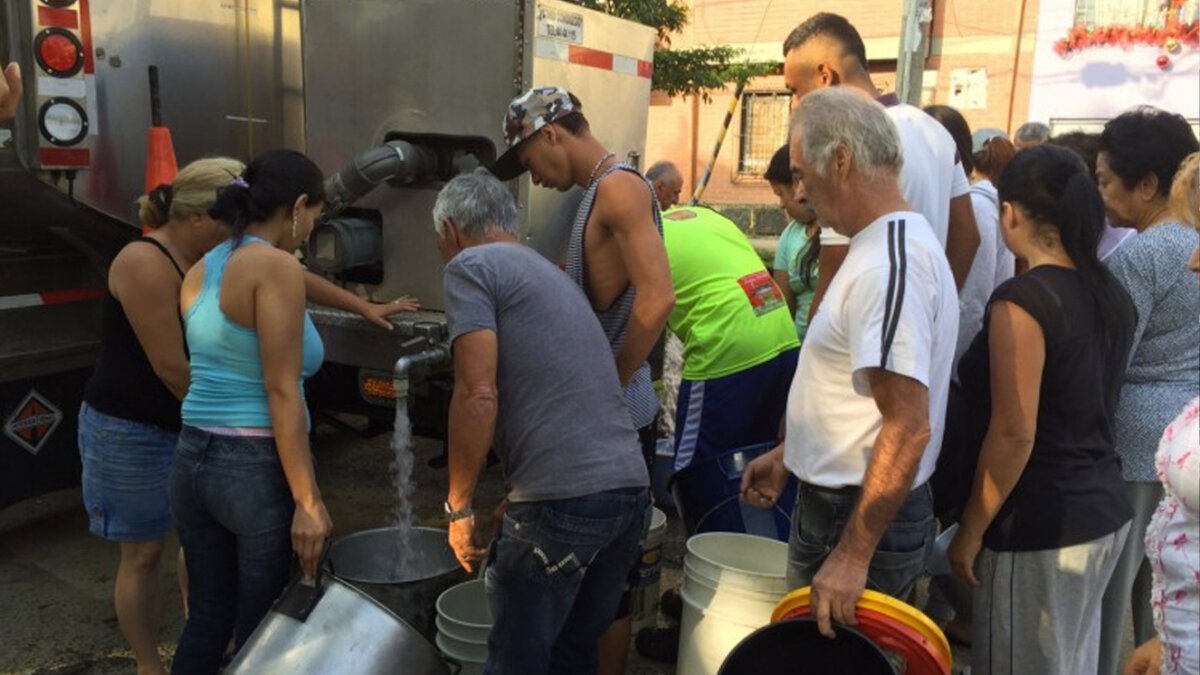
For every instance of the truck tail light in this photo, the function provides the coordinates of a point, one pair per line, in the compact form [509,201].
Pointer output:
[58,52]
[377,388]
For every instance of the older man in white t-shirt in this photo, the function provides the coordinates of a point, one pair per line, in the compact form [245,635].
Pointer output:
[867,404]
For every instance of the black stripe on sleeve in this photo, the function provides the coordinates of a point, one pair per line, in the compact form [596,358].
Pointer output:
[891,291]
[896,279]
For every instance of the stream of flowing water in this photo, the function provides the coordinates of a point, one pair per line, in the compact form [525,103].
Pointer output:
[402,511]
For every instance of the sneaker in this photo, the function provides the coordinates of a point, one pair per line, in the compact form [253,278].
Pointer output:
[658,644]
[671,604]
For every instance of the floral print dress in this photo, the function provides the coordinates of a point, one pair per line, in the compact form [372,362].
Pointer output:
[1173,544]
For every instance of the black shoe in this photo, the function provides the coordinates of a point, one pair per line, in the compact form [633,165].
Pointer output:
[658,644]
[671,604]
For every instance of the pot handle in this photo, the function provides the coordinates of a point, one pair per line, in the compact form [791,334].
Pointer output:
[302,596]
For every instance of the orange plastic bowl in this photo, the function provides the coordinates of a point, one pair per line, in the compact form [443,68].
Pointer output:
[895,626]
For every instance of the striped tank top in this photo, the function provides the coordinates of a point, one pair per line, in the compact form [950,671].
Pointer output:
[640,398]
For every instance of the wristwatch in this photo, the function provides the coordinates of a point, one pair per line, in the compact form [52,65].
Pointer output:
[452,515]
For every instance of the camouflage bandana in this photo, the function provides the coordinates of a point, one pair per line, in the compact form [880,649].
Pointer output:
[526,114]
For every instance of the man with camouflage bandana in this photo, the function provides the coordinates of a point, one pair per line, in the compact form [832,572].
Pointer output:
[615,254]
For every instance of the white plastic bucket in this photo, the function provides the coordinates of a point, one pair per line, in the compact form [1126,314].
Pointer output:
[644,599]
[463,623]
[731,584]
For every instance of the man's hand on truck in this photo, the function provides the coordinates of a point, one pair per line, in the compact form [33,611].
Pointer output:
[10,91]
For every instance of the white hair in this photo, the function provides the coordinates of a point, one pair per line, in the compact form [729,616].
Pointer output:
[1033,132]
[662,169]
[478,204]
[835,116]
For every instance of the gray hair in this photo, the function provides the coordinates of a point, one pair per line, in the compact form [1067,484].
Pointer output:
[662,169]
[1032,132]
[835,116]
[478,204]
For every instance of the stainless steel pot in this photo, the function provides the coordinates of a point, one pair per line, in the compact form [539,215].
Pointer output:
[408,586]
[332,628]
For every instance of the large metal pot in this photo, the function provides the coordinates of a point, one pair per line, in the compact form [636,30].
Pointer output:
[332,628]
[368,559]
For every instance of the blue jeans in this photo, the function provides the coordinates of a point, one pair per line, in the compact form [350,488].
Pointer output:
[821,515]
[233,511]
[555,576]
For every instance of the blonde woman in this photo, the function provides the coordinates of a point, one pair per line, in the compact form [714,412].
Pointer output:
[129,421]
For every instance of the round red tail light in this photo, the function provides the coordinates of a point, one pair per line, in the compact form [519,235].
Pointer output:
[58,52]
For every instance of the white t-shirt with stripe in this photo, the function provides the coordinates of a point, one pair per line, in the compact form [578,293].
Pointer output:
[892,305]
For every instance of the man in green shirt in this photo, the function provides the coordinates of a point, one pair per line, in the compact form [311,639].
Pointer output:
[739,341]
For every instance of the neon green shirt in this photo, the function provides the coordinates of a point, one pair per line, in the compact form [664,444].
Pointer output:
[728,311]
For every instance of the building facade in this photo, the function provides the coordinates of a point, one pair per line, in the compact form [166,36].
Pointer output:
[994,61]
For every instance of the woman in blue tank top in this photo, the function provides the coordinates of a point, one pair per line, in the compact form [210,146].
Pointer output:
[243,491]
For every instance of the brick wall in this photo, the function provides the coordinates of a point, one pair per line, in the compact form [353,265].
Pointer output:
[745,21]
[967,34]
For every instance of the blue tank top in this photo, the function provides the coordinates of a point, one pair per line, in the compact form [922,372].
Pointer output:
[227,388]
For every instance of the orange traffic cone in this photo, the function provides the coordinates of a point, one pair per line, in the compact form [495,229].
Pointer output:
[160,152]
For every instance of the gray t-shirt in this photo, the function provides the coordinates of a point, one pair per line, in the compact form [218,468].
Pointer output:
[1164,364]
[562,429]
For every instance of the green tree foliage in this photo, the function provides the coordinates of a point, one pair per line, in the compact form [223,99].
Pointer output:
[682,72]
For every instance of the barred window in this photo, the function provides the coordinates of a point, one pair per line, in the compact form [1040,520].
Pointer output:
[764,130]
[1134,12]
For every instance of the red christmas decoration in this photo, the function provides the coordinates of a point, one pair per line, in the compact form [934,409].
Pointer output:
[1171,36]
[1163,62]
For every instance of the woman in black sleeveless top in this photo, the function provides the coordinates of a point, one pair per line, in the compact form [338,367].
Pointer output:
[129,421]
[1048,514]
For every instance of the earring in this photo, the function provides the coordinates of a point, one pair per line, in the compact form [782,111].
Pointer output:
[293,226]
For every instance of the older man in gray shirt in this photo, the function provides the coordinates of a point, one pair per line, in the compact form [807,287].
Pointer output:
[533,373]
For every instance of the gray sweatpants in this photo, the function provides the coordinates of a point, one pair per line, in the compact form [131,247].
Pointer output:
[1039,611]
[1129,588]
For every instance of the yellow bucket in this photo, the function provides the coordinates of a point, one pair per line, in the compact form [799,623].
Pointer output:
[924,632]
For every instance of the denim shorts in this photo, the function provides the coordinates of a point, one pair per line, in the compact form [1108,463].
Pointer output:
[125,469]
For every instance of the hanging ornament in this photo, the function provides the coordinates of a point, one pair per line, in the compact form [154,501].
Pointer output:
[1173,36]
[1163,62]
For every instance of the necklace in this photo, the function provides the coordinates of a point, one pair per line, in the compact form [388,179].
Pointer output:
[592,175]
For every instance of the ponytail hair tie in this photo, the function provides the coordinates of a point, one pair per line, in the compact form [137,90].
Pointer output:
[161,197]
[240,182]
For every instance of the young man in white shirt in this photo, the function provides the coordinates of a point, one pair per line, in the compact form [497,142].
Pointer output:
[826,51]
[867,404]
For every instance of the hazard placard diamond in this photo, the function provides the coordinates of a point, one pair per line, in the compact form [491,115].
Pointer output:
[32,422]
